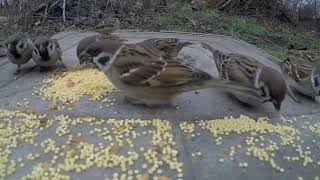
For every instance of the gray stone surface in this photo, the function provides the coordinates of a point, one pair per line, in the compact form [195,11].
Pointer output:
[208,104]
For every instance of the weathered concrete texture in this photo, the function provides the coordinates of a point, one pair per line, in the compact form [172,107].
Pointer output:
[208,104]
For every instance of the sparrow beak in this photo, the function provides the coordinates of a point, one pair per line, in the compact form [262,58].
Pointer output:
[277,106]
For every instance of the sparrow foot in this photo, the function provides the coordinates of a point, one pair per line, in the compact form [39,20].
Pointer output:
[18,71]
[62,64]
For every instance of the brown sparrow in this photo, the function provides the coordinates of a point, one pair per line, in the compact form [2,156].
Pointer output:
[84,44]
[47,52]
[310,57]
[108,26]
[149,76]
[302,67]
[19,50]
[171,46]
[249,72]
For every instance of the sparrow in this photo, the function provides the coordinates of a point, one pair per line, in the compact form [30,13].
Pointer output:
[47,52]
[249,72]
[19,50]
[107,26]
[171,46]
[84,57]
[310,57]
[149,76]
[303,70]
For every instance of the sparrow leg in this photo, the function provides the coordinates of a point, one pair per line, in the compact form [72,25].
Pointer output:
[18,70]
[293,96]
[62,64]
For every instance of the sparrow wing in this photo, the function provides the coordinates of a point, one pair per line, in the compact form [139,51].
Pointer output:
[310,57]
[236,67]
[298,72]
[171,46]
[142,65]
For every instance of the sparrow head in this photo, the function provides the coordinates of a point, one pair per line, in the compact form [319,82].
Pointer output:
[273,86]
[16,46]
[45,47]
[102,52]
[83,46]
[108,26]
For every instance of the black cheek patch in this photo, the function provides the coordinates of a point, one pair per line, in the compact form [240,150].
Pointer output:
[316,81]
[104,60]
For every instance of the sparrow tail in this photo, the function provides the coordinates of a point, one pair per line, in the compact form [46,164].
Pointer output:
[228,86]
[217,55]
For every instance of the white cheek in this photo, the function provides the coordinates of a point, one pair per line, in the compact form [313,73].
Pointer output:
[20,50]
[104,66]
[35,51]
[50,49]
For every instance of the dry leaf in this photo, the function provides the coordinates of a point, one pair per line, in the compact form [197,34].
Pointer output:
[78,139]
[157,149]
[69,105]
[164,178]
[43,122]
[72,153]
[66,149]
[52,106]
[115,149]
[152,110]
[70,83]
[46,167]
[226,151]
[195,162]
[146,176]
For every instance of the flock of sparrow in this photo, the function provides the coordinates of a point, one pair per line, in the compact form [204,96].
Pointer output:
[150,72]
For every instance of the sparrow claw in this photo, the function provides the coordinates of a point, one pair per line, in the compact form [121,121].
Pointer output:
[18,71]
[293,96]
[62,64]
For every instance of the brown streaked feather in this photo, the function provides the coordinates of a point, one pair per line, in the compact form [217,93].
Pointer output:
[141,65]
[297,72]
[108,26]
[309,55]
[232,66]
[171,46]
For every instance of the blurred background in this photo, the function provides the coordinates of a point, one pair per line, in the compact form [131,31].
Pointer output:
[273,25]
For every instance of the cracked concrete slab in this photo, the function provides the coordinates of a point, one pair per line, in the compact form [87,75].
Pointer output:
[208,104]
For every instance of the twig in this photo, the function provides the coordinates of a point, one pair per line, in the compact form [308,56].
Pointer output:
[46,12]
[79,1]
[191,20]
[53,4]
[64,10]
[121,9]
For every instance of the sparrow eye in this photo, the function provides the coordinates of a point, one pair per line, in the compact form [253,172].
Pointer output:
[104,60]
[93,52]
[50,46]
[35,51]
[21,46]
[263,92]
